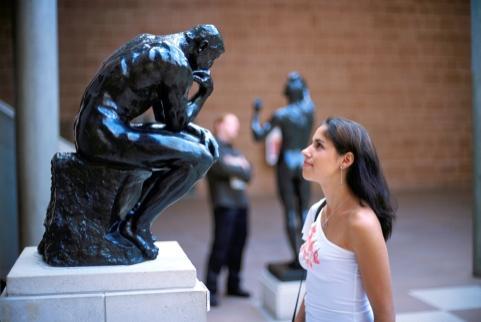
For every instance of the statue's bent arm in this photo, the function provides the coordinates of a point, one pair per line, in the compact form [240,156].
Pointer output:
[259,130]
[177,109]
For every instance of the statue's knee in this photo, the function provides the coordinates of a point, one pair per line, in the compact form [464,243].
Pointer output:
[196,169]
[204,162]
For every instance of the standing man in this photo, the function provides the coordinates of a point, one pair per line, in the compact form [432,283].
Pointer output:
[227,180]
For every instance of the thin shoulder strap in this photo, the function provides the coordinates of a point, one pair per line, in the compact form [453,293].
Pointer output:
[318,211]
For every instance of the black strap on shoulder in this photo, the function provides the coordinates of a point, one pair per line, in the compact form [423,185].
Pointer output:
[319,209]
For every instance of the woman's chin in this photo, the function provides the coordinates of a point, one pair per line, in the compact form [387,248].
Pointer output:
[305,174]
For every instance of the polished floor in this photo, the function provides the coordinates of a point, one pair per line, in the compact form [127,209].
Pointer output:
[430,254]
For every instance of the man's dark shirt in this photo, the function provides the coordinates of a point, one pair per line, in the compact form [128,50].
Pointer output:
[226,181]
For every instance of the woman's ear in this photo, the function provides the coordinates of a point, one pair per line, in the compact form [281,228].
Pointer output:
[347,160]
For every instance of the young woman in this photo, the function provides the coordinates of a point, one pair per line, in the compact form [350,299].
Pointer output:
[345,253]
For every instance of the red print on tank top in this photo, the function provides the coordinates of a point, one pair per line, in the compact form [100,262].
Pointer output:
[308,253]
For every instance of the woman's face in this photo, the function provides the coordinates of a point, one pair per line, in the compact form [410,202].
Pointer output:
[321,160]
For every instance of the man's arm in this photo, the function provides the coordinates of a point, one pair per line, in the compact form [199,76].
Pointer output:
[229,166]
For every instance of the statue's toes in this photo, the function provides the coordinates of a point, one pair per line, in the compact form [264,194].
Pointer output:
[151,252]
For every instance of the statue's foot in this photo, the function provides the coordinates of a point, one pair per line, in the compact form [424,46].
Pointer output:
[149,250]
[144,232]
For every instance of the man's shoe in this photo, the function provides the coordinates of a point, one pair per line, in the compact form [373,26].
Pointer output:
[238,292]
[214,301]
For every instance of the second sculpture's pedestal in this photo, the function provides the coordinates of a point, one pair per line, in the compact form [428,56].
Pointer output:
[165,289]
[279,297]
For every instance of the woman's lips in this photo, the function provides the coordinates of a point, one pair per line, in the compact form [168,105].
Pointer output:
[307,164]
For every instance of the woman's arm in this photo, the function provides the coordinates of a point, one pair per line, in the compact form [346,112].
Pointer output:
[301,314]
[368,243]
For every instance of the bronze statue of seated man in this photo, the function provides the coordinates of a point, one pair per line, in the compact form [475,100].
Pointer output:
[155,72]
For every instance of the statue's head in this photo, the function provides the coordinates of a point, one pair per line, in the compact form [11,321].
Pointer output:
[295,87]
[205,44]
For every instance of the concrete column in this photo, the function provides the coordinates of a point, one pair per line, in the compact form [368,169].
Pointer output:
[37,121]
[476,74]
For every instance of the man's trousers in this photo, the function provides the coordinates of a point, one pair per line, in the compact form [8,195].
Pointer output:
[230,234]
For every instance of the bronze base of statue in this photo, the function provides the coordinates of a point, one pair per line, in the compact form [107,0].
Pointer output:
[287,271]
[80,227]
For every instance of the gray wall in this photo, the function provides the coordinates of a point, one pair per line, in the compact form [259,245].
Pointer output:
[9,247]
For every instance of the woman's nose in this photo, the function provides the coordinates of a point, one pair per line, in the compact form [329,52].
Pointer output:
[305,152]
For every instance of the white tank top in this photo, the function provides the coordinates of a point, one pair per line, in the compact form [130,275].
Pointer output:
[334,291]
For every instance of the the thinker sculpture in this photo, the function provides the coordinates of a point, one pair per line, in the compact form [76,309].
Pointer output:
[106,196]
[295,123]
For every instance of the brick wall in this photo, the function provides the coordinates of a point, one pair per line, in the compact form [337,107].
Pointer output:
[401,68]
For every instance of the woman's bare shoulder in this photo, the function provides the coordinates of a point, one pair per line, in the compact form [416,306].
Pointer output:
[364,231]
[362,221]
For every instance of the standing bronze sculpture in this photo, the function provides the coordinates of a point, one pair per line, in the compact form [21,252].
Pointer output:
[295,123]
[106,196]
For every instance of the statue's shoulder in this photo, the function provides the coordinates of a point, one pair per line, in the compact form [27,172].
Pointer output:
[168,53]
[308,106]
[142,38]
[282,112]
[163,49]
[156,48]
[133,45]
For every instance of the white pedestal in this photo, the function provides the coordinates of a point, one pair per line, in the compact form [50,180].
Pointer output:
[165,289]
[279,298]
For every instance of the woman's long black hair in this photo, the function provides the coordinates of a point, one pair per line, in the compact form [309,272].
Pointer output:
[364,177]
